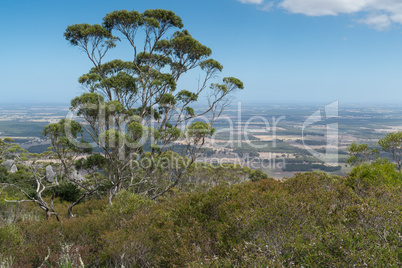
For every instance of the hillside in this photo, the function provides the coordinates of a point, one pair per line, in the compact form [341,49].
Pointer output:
[312,219]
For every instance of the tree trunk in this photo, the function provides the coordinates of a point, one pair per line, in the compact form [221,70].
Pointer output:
[70,208]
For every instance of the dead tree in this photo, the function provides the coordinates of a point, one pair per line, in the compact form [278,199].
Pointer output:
[41,186]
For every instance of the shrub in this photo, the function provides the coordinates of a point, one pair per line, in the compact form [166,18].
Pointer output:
[10,239]
[67,191]
[126,205]
[380,172]
[310,220]
[257,175]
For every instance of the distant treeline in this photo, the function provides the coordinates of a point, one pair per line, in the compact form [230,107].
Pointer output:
[310,167]
[269,147]
[312,142]
[304,160]
[292,132]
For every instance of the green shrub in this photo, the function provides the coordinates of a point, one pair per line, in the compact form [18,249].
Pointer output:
[10,239]
[310,220]
[380,172]
[67,191]
[3,174]
[126,204]
[257,175]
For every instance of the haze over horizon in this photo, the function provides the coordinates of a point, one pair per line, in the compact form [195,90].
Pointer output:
[306,51]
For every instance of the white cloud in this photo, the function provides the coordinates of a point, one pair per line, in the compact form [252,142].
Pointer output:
[379,22]
[323,7]
[257,2]
[266,7]
[377,14]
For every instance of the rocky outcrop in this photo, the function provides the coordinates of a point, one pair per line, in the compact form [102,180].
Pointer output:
[50,174]
[13,169]
[8,164]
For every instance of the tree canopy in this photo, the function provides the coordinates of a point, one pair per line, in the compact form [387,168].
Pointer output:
[133,108]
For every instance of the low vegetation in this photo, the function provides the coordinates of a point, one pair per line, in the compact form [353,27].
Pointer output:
[312,219]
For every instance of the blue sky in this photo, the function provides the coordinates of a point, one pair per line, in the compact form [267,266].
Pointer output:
[297,51]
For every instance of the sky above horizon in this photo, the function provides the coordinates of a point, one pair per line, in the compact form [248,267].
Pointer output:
[285,51]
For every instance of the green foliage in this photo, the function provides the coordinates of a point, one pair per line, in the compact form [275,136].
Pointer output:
[3,174]
[122,17]
[211,64]
[67,191]
[93,161]
[63,136]
[359,153]
[88,104]
[199,130]
[126,205]
[164,18]
[186,96]
[182,45]
[232,83]
[83,33]
[19,178]
[10,239]
[378,173]
[190,111]
[391,140]
[310,220]
[111,139]
[63,128]
[131,105]
[257,175]
[201,177]
[393,143]
[9,149]
[166,99]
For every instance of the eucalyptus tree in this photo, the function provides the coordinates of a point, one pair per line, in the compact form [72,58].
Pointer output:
[32,184]
[9,150]
[360,153]
[133,109]
[64,136]
[392,143]
[42,186]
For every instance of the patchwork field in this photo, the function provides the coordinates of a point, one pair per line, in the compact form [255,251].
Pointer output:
[246,137]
